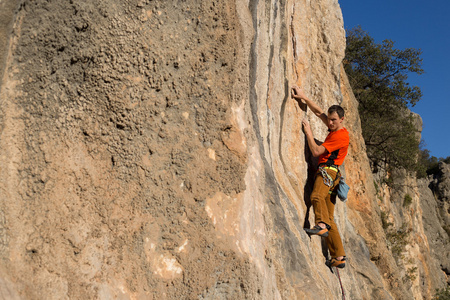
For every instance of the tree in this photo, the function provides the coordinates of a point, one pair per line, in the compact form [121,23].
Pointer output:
[429,165]
[377,75]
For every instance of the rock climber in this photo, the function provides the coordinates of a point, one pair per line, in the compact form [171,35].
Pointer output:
[331,155]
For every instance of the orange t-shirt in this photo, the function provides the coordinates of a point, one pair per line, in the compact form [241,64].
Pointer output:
[336,144]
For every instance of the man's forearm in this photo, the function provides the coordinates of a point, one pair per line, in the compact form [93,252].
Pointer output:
[299,95]
[315,149]
[313,106]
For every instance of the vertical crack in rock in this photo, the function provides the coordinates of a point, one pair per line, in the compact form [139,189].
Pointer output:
[294,262]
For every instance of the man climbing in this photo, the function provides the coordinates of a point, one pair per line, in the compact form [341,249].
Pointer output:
[331,155]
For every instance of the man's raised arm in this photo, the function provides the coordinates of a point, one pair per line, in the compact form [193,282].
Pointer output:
[298,95]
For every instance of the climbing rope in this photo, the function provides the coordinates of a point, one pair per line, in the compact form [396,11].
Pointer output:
[340,282]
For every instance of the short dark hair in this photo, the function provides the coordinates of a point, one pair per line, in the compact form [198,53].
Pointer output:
[337,109]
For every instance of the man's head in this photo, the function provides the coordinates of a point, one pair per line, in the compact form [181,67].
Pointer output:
[338,109]
[335,117]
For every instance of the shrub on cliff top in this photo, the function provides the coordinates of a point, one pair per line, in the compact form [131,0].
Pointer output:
[429,165]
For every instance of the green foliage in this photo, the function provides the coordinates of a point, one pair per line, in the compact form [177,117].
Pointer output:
[397,240]
[411,274]
[429,165]
[407,200]
[377,189]
[384,221]
[442,294]
[378,74]
[425,162]
[388,180]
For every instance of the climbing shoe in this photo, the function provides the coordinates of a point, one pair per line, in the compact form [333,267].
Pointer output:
[317,230]
[335,263]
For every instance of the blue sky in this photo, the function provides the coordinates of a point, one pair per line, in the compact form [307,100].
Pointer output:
[422,25]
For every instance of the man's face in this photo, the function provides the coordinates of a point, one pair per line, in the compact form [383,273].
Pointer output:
[334,122]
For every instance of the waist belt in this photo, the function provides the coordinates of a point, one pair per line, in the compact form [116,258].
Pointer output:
[332,168]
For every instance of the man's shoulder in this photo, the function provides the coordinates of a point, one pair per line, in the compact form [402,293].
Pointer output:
[341,132]
[344,134]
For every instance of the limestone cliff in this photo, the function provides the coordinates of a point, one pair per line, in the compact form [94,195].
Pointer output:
[151,150]
[435,200]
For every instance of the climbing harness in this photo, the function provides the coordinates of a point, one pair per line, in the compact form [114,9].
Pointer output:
[342,188]
[327,179]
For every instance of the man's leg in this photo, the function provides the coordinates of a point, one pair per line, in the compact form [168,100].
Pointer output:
[334,241]
[318,196]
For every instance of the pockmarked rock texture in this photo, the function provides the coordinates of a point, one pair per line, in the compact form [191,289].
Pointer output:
[7,12]
[151,150]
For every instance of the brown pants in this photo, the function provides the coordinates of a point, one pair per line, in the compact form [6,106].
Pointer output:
[323,203]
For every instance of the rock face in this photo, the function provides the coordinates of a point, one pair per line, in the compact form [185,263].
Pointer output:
[436,215]
[414,234]
[441,186]
[150,149]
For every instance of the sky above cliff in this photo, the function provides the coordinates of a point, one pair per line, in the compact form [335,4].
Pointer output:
[422,25]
